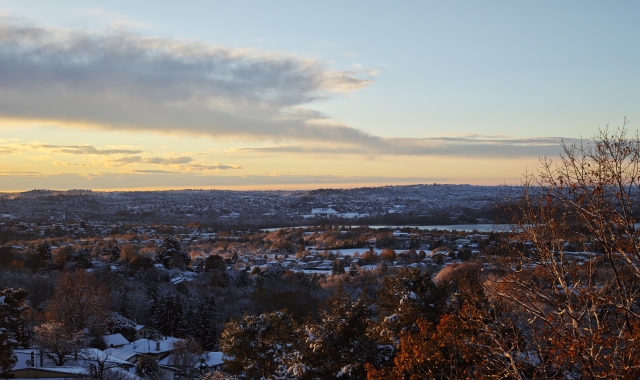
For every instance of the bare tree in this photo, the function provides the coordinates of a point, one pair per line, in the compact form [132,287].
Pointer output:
[573,265]
[186,353]
[79,301]
[58,342]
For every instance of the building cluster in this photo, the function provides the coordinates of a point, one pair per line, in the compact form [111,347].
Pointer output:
[248,207]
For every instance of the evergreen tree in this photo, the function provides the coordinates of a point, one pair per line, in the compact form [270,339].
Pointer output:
[255,345]
[13,328]
[168,313]
[43,249]
[340,344]
[337,268]
[203,322]
[171,255]
[114,254]
[119,324]
[405,297]
[214,262]
[82,258]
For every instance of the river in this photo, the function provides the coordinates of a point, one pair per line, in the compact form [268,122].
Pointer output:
[481,227]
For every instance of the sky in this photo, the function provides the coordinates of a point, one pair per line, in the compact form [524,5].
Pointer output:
[139,95]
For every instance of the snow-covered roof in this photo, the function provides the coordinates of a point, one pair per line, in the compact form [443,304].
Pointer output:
[121,354]
[177,280]
[146,346]
[97,354]
[115,340]
[212,359]
[323,211]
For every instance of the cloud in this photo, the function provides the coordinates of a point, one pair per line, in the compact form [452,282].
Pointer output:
[9,146]
[144,179]
[216,167]
[117,79]
[121,80]
[154,171]
[153,160]
[20,174]
[82,149]
[185,163]
[461,146]
[61,163]
[8,150]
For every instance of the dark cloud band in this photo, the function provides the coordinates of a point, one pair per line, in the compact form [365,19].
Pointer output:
[127,81]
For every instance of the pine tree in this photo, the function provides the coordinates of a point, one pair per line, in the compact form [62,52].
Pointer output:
[168,313]
[82,258]
[43,249]
[207,323]
[170,254]
[256,345]
[337,268]
[13,332]
[340,344]
[405,297]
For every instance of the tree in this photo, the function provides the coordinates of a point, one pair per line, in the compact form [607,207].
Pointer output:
[465,254]
[470,340]
[388,254]
[186,353]
[81,259]
[205,324]
[80,301]
[583,310]
[62,256]
[114,254]
[214,262]
[339,345]
[101,365]
[118,324]
[43,249]
[405,297]
[255,345]
[168,315]
[217,375]
[128,253]
[58,341]
[147,367]
[13,332]
[171,255]
[337,268]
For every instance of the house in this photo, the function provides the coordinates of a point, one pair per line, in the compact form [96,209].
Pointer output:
[143,332]
[210,360]
[158,349]
[115,340]
[31,364]
[62,372]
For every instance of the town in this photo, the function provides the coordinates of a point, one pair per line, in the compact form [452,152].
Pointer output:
[418,204]
[167,298]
